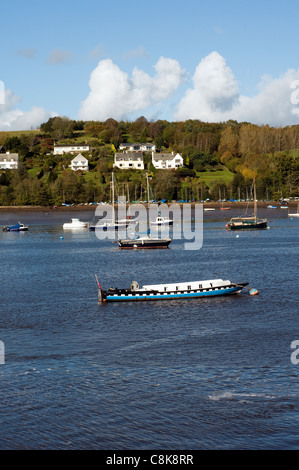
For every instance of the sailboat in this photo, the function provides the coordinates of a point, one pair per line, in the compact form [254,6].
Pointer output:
[247,223]
[113,225]
[295,214]
[146,241]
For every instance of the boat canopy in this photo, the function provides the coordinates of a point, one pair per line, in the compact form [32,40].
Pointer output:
[15,227]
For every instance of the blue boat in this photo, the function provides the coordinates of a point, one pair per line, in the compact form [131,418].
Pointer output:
[16,228]
[174,291]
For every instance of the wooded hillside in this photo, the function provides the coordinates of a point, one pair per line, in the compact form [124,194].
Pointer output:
[220,160]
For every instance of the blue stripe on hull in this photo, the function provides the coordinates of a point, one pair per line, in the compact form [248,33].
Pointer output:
[189,295]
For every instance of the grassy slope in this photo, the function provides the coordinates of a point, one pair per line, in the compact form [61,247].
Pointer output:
[208,177]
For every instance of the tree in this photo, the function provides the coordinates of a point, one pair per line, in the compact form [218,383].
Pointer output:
[59,127]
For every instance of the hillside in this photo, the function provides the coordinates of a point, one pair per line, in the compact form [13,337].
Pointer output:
[220,160]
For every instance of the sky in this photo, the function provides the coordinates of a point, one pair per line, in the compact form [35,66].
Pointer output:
[169,59]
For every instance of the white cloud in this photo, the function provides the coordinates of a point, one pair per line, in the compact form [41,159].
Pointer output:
[113,94]
[215,97]
[16,119]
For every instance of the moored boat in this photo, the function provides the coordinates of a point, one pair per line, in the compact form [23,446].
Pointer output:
[144,242]
[74,224]
[16,228]
[161,221]
[173,291]
[248,223]
[109,225]
[113,225]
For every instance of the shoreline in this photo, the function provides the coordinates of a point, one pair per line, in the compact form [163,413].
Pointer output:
[216,205]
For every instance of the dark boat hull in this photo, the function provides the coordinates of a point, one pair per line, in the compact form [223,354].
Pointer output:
[143,244]
[246,226]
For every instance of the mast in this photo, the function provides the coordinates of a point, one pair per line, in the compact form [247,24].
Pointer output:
[147,189]
[113,214]
[254,196]
[148,207]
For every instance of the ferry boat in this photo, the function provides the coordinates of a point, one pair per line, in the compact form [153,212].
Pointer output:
[16,228]
[173,291]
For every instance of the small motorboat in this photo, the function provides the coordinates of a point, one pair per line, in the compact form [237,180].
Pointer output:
[75,224]
[16,228]
[109,225]
[161,221]
[182,290]
[144,243]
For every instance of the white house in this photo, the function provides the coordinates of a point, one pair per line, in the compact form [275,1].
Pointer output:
[71,148]
[79,163]
[9,161]
[129,161]
[167,161]
[137,147]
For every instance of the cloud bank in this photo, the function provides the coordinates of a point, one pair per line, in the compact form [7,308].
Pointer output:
[113,94]
[16,119]
[213,96]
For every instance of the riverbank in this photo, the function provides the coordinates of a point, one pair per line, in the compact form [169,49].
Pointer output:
[91,207]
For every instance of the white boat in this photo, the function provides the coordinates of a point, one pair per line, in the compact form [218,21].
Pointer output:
[75,224]
[113,224]
[161,221]
[181,290]
[146,241]
[207,209]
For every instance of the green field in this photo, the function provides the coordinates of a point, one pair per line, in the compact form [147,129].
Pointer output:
[208,177]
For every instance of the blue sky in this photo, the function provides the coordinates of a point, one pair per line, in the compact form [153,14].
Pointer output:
[167,59]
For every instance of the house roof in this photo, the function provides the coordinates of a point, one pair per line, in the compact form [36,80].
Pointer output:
[126,144]
[71,145]
[79,158]
[132,156]
[9,156]
[164,156]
